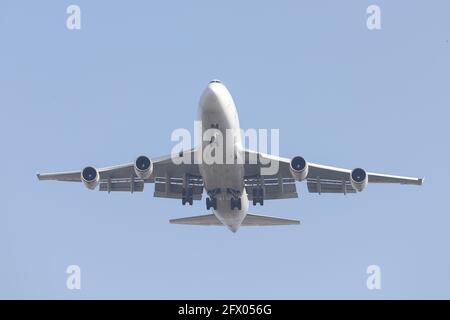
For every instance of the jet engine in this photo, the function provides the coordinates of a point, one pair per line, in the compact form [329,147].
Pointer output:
[90,177]
[299,168]
[143,167]
[359,179]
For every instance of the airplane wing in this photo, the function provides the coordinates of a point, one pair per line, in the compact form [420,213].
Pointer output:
[169,178]
[326,179]
[279,184]
[320,178]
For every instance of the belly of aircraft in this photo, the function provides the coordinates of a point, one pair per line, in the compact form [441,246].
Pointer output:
[231,218]
[222,176]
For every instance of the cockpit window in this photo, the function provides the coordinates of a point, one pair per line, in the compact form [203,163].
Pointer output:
[215,81]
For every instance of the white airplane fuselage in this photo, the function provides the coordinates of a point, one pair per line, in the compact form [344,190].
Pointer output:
[225,179]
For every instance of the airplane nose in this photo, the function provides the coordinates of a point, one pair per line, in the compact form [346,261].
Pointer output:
[211,98]
[214,88]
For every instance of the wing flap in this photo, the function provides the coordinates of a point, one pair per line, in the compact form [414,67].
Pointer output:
[122,186]
[329,186]
[172,188]
[273,187]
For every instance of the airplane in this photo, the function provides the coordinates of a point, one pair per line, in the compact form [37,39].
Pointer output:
[230,186]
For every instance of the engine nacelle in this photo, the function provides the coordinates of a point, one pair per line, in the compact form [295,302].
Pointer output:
[90,177]
[299,168]
[359,179]
[143,167]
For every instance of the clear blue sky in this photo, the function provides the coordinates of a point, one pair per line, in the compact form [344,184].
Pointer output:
[340,94]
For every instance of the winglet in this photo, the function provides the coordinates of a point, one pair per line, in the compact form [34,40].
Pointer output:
[38,175]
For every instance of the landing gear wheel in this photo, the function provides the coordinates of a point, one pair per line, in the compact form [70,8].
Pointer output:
[211,203]
[258,196]
[186,200]
[235,203]
[187,196]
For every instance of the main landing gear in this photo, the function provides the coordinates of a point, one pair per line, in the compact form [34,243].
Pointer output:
[258,196]
[187,196]
[235,203]
[211,203]
[235,200]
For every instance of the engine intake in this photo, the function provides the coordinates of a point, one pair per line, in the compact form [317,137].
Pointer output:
[359,179]
[299,168]
[143,167]
[90,177]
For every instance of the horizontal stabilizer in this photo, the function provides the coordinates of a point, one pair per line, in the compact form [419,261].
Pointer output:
[206,220]
[250,220]
[255,220]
